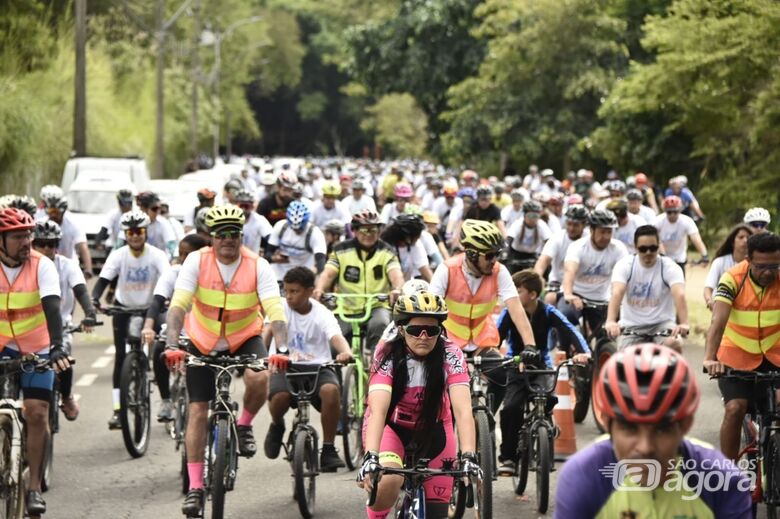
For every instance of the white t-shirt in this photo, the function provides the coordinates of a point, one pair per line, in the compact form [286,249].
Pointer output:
[717,268]
[389,211]
[177,227]
[592,280]
[256,228]
[412,258]
[309,335]
[113,223]
[429,243]
[555,249]
[647,213]
[366,203]
[167,282]
[626,232]
[533,239]
[674,236]
[159,234]
[426,203]
[137,275]
[48,284]
[554,223]
[320,215]
[445,211]
[648,299]
[510,215]
[70,275]
[293,245]
[71,236]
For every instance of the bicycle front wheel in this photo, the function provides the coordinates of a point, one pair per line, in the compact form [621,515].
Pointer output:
[135,408]
[580,376]
[543,463]
[484,501]
[605,348]
[12,499]
[351,418]
[457,501]
[305,472]
[48,460]
[520,479]
[220,464]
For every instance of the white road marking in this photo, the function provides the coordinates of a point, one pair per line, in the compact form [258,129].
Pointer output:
[87,379]
[110,350]
[102,362]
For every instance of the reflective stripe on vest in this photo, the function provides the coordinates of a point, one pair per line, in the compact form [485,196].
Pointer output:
[470,316]
[21,314]
[233,313]
[753,328]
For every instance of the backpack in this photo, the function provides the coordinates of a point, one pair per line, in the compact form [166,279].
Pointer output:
[307,245]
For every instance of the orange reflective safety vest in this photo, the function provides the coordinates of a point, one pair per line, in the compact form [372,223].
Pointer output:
[470,318]
[232,312]
[21,314]
[753,328]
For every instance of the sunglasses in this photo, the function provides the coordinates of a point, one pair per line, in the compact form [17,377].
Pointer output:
[647,248]
[135,232]
[52,210]
[491,256]
[47,244]
[368,230]
[416,330]
[155,209]
[246,206]
[759,225]
[672,212]
[532,216]
[225,235]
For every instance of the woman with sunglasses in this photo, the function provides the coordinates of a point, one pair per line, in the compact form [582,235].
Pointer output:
[418,383]
[758,218]
[732,251]
[527,236]
[159,232]
[648,291]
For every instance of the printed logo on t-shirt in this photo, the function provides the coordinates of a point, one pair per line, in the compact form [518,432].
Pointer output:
[641,295]
[138,278]
[299,350]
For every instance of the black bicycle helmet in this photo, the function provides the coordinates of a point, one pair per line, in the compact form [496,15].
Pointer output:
[532,206]
[634,194]
[124,196]
[244,196]
[146,199]
[602,218]
[577,213]
[410,225]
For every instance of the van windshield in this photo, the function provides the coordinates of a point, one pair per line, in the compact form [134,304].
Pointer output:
[91,202]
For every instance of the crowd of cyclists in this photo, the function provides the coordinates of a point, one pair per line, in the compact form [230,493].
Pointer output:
[473,267]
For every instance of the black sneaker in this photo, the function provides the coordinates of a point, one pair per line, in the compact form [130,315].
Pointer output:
[246,441]
[193,503]
[506,468]
[35,503]
[113,422]
[329,459]
[273,441]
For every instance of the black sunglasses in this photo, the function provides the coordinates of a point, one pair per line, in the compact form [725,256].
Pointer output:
[416,330]
[647,248]
[490,256]
[155,208]
[758,225]
[46,244]
[224,235]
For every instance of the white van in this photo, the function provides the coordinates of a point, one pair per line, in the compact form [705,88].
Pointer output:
[132,167]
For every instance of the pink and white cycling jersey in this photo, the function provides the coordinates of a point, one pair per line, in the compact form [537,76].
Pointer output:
[409,407]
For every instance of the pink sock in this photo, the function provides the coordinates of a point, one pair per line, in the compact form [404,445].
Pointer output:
[195,470]
[246,418]
[377,515]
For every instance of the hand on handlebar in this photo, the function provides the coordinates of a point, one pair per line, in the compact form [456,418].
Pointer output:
[174,358]
[89,323]
[368,471]
[612,328]
[576,301]
[530,355]
[714,367]
[394,295]
[682,330]
[581,358]
[344,357]
[147,335]
[468,463]
[278,363]
[317,294]
[58,358]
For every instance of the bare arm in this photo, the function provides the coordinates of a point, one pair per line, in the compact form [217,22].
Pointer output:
[397,278]
[708,297]
[460,396]
[379,402]
[720,317]
[678,294]
[517,313]
[266,335]
[279,329]
[542,264]
[699,244]
[174,321]
[611,325]
[325,282]
[501,227]
[426,273]
[83,251]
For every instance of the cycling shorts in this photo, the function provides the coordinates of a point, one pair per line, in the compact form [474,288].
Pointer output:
[201,379]
[36,386]
[280,384]
[753,392]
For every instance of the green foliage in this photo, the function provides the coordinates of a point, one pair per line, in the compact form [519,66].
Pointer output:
[399,124]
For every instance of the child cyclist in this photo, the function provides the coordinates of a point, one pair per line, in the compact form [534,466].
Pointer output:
[418,383]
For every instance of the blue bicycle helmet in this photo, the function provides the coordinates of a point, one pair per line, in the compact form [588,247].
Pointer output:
[467,192]
[298,214]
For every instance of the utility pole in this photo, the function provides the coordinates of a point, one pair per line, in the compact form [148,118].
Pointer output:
[80,81]
[159,136]
[195,79]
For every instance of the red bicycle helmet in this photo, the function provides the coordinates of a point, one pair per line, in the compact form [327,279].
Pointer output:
[13,219]
[673,203]
[646,383]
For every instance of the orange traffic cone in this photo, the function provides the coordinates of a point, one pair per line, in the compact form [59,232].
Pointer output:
[563,414]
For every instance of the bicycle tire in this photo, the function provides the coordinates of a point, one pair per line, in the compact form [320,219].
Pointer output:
[771,471]
[457,501]
[581,383]
[520,479]
[218,475]
[135,407]
[48,461]
[484,501]
[351,419]
[305,472]
[605,348]
[184,473]
[543,465]
[12,506]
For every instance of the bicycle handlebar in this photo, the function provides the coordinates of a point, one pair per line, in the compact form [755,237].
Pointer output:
[633,332]
[426,473]
[225,362]
[119,310]
[335,301]
[79,328]
[22,364]
[768,376]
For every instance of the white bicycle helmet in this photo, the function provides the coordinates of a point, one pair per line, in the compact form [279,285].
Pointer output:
[51,191]
[135,219]
[757,214]
[413,286]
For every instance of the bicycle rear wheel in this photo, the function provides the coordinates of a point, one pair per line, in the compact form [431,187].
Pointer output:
[135,408]
[351,419]
[220,456]
[543,463]
[605,348]
[305,471]
[12,499]
[484,501]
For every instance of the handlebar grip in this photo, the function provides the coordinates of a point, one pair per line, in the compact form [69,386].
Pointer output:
[372,495]
[469,494]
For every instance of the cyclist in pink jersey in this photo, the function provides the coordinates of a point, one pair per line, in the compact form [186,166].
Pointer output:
[418,381]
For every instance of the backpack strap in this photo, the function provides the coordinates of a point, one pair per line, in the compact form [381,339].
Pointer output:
[308,239]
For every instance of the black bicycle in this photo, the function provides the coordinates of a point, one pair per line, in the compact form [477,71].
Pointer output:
[411,502]
[135,387]
[584,377]
[761,438]
[221,459]
[302,443]
[536,438]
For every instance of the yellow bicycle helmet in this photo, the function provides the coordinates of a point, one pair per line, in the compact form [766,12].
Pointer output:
[419,304]
[331,189]
[225,215]
[479,236]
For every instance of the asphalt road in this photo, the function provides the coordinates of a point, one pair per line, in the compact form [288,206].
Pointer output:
[94,476]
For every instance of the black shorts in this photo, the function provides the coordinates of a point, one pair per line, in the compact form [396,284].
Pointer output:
[201,379]
[753,392]
[280,384]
